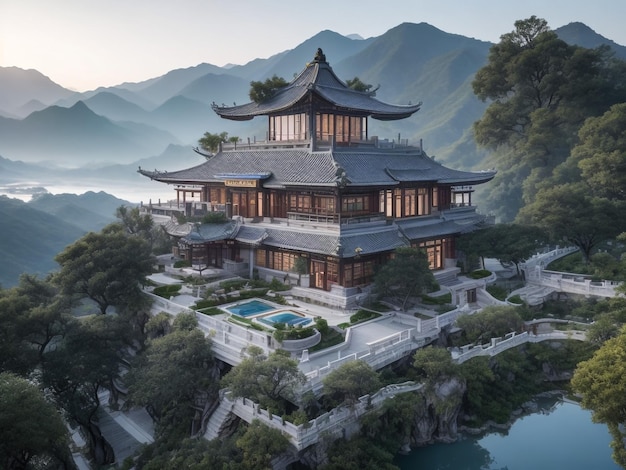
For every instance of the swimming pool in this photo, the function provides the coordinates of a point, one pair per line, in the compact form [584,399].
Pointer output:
[287,317]
[249,309]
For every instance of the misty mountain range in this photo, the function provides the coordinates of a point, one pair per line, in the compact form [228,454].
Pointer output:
[41,121]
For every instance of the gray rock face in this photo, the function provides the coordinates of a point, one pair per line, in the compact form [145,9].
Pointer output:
[437,417]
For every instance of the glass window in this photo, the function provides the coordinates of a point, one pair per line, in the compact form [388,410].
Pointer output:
[288,127]
[354,204]
[409,203]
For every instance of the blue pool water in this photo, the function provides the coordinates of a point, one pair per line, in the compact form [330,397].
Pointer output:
[288,318]
[248,309]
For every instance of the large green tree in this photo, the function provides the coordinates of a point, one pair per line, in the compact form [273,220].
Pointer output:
[168,377]
[602,382]
[350,381]
[81,366]
[405,276]
[570,213]
[512,243]
[107,267]
[491,322]
[32,315]
[601,153]
[260,444]
[142,225]
[540,91]
[32,433]
[268,381]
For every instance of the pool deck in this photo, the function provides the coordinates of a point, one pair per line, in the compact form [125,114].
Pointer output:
[361,334]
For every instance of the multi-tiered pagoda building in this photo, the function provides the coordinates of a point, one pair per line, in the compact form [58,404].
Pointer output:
[320,188]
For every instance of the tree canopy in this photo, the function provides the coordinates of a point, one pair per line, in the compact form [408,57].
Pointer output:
[406,275]
[32,315]
[262,91]
[569,213]
[506,242]
[540,91]
[169,375]
[601,153]
[32,433]
[356,84]
[108,267]
[268,381]
[602,382]
[491,322]
[350,381]
[211,142]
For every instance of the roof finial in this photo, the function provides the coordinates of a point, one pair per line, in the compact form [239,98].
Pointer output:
[319,55]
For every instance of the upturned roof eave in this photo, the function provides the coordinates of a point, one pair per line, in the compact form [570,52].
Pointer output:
[319,78]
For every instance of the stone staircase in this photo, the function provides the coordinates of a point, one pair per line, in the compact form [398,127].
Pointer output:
[217,419]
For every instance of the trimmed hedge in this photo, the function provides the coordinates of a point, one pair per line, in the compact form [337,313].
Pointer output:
[167,291]
[479,274]
[363,315]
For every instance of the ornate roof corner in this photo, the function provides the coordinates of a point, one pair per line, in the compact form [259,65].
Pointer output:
[205,155]
[150,174]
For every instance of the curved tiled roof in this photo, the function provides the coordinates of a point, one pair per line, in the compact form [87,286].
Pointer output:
[349,166]
[318,78]
[284,168]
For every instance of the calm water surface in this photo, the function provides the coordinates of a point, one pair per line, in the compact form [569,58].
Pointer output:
[562,437]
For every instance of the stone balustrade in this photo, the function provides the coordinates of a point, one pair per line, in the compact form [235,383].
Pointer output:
[334,422]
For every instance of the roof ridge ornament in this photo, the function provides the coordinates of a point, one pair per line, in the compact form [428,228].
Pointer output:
[319,56]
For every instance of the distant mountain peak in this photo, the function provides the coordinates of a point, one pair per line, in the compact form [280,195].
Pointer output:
[577,33]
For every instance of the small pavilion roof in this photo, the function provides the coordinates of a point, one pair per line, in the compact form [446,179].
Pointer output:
[318,78]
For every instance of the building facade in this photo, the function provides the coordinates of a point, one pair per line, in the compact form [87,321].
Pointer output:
[319,195]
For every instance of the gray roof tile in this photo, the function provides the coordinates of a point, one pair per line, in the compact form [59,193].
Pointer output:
[362,167]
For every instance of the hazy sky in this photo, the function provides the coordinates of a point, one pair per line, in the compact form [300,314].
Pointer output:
[83,44]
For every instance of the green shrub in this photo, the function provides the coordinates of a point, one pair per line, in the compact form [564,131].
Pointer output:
[479,274]
[363,315]
[278,286]
[497,292]
[279,299]
[211,311]
[289,333]
[444,308]
[205,303]
[329,338]
[249,294]
[321,325]
[167,291]
[439,300]
[298,417]
[182,263]
[515,299]
[214,218]
[233,284]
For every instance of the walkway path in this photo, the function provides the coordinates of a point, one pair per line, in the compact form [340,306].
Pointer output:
[542,283]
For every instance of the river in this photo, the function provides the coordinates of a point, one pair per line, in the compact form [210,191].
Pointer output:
[562,436]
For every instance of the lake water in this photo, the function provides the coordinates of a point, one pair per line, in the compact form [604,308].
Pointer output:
[561,437]
[135,193]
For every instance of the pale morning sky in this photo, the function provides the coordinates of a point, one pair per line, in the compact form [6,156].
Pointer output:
[83,44]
